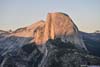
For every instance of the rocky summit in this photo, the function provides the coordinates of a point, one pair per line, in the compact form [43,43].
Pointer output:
[55,42]
[57,25]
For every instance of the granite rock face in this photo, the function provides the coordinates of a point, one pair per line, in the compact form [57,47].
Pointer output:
[57,25]
[52,43]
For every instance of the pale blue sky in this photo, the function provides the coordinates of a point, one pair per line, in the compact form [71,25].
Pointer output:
[18,13]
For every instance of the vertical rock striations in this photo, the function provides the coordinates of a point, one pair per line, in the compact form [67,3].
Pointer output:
[58,25]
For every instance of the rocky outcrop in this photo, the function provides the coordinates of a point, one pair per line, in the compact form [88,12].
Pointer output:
[52,43]
[57,25]
[27,31]
[38,33]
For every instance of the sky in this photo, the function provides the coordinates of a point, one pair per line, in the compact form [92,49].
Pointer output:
[20,13]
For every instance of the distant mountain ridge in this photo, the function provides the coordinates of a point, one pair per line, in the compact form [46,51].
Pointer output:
[92,42]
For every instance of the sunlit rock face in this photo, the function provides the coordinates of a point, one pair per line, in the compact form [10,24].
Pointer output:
[51,43]
[28,30]
[57,25]
[38,33]
[34,31]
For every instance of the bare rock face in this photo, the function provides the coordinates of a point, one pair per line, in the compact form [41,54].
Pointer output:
[38,33]
[57,25]
[27,31]
[55,43]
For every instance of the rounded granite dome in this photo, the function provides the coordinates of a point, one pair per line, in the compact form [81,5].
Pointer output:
[56,25]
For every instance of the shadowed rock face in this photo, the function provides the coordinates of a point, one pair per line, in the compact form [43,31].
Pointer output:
[54,53]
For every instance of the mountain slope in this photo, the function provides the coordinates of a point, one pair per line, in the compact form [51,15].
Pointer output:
[54,53]
[57,25]
[56,41]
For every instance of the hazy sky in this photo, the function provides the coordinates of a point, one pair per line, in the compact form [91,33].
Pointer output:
[18,13]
